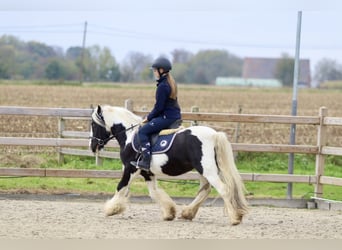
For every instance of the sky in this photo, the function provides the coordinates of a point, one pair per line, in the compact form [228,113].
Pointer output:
[246,28]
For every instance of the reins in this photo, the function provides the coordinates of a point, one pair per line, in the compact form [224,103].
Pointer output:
[104,141]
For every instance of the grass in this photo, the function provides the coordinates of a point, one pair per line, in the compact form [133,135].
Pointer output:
[246,163]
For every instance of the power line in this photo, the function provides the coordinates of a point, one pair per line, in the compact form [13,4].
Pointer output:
[118,32]
[77,28]
[40,26]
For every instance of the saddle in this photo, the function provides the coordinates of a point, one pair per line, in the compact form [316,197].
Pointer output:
[160,142]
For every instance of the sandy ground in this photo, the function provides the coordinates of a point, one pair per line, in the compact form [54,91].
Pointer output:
[43,219]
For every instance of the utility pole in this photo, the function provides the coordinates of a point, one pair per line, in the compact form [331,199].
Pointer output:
[82,52]
[294,101]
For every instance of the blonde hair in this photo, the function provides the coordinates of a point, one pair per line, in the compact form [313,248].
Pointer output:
[173,85]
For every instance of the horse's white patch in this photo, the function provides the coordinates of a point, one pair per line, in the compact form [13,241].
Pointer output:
[90,136]
[117,115]
[206,135]
[157,161]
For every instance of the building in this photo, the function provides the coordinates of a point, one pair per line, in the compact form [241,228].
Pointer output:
[264,68]
[248,82]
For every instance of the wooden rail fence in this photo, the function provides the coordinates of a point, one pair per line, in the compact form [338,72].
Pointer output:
[69,141]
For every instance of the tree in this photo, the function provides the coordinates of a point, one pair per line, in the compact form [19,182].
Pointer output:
[180,72]
[181,56]
[108,68]
[284,70]
[40,49]
[327,70]
[74,53]
[7,59]
[181,60]
[99,64]
[206,65]
[13,41]
[54,70]
[135,67]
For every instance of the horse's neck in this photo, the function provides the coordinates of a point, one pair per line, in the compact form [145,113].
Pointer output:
[130,135]
[116,115]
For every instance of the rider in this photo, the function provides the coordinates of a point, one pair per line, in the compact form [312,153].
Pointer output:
[165,112]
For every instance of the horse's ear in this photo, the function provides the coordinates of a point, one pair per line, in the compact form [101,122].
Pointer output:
[99,110]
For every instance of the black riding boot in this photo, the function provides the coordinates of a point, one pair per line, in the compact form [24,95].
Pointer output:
[145,160]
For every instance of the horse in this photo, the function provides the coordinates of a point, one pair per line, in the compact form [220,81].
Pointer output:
[199,148]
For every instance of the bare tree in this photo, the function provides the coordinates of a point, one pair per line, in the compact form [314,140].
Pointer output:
[328,69]
[135,67]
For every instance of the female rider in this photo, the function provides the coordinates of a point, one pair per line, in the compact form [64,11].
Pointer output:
[165,112]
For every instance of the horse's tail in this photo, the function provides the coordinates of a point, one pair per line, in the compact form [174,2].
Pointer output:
[229,173]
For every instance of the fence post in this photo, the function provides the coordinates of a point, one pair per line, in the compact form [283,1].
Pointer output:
[129,104]
[98,159]
[194,109]
[320,158]
[61,127]
[237,131]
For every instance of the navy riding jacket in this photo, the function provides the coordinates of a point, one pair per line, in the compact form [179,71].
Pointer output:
[164,106]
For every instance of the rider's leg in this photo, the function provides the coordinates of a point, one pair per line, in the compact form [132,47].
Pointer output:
[153,126]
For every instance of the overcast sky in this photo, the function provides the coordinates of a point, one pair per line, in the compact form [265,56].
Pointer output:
[261,28]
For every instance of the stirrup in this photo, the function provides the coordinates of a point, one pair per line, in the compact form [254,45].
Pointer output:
[143,168]
[136,164]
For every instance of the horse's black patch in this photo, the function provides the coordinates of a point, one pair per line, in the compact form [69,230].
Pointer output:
[184,155]
[118,130]
[99,134]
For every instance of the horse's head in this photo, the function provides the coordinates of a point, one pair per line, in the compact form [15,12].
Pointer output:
[98,134]
[111,122]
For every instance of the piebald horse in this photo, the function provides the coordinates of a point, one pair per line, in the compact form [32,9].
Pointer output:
[197,148]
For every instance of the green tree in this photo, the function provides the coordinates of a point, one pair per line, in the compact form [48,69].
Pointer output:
[284,70]
[40,49]
[54,70]
[181,61]
[108,68]
[74,53]
[180,72]
[13,41]
[7,61]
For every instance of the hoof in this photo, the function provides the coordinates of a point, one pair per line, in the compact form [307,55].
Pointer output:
[169,218]
[112,209]
[170,215]
[187,215]
[236,221]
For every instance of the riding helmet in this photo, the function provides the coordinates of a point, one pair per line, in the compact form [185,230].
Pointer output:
[162,62]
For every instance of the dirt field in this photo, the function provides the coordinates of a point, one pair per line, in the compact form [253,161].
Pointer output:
[44,219]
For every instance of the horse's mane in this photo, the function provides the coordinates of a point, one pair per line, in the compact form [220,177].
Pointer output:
[114,115]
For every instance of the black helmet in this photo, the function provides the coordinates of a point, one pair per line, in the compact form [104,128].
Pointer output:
[162,62]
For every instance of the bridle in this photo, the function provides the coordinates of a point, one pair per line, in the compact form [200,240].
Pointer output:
[102,142]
